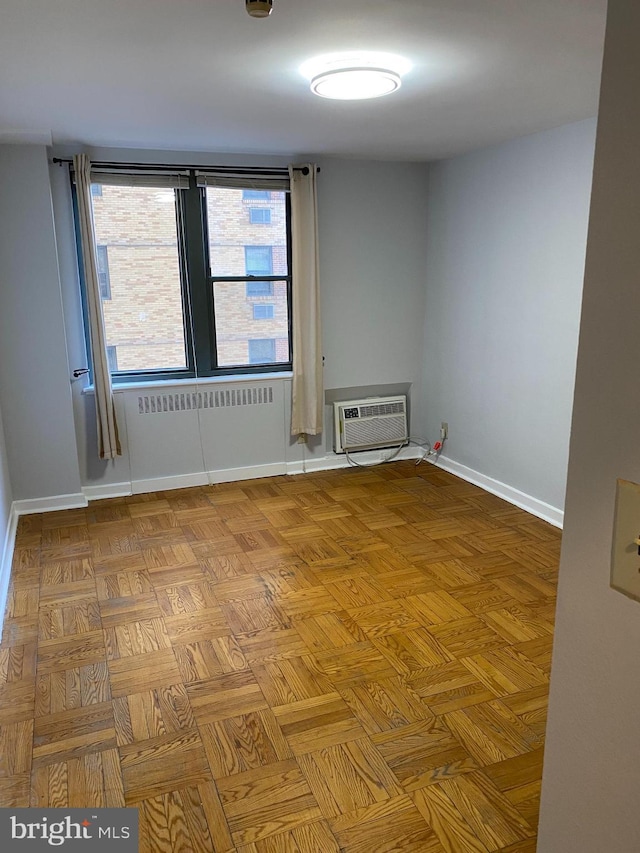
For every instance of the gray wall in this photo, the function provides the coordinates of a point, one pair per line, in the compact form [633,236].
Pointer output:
[6,496]
[372,257]
[592,762]
[506,238]
[34,372]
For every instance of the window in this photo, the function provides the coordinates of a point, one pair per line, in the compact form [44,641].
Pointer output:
[262,351]
[256,195]
[259,261]
[96,190]
[102,262]
[184,273]
[112,357]
[262,311]
[260,215]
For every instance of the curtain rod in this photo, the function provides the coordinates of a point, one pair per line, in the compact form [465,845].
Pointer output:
[262,170]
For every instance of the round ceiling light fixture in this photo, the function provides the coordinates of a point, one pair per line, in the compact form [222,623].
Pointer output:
[259,8]
[355,84]
[355,76]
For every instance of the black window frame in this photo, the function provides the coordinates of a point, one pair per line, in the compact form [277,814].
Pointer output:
[197,290]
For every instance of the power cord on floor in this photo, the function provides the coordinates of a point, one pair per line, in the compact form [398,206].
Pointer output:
[419,442]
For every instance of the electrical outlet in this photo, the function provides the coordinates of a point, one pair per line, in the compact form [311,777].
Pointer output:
[444,430]
[625,553]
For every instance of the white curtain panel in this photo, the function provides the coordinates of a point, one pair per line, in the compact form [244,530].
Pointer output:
[307,404]
[108,440]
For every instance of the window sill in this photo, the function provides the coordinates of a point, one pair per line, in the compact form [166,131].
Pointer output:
[202,382]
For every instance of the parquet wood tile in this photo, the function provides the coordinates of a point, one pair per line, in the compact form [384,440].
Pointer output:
[65,690]
[193,627]
[505,671]
[385,704]
[348,665]
[464,637]
[449,688]
[269,644]
[353,661]
[143,672]
[348,777]
[136,638]
[266,801]
[423,753]
[69,734]
[16,748]
[246,742]
[490,733]
[91,779]
[318,723]
[303,839]
[226,696]
[143,716]
[393,825]
[291,679]
[411,651]
[204,659]
[156,766]
[329,631]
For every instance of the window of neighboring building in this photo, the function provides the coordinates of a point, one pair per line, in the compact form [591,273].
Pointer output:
[256,195]
[96,190]
[262,311]
[262,351]
[176,262]
[260,215]
[112,357]
[259,261]
[102,262]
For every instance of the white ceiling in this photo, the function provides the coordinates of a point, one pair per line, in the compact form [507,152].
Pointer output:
[201,75]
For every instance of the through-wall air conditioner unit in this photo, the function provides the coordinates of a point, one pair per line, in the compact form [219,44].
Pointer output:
[369,424]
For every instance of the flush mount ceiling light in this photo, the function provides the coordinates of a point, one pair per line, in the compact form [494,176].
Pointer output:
[355,76]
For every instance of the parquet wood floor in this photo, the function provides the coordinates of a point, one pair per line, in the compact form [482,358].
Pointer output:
[349,661]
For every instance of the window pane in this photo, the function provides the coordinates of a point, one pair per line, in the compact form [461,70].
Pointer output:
[260,215]
[262,351]
[239,327]
[102,263]
[231,229]
[137,236]
[262,311]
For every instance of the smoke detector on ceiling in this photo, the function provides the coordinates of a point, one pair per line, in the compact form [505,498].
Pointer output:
[259,8]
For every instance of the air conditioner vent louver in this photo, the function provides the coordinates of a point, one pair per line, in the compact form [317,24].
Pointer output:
[370,424]
[381,409]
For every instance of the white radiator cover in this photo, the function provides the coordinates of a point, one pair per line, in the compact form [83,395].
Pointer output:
[370,423]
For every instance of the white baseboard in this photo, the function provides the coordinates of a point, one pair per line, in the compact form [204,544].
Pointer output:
[50,504]
[107,490]
[164,484]
[339,460]
[329,462]
[251,472]
[520,499]
[6,559]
